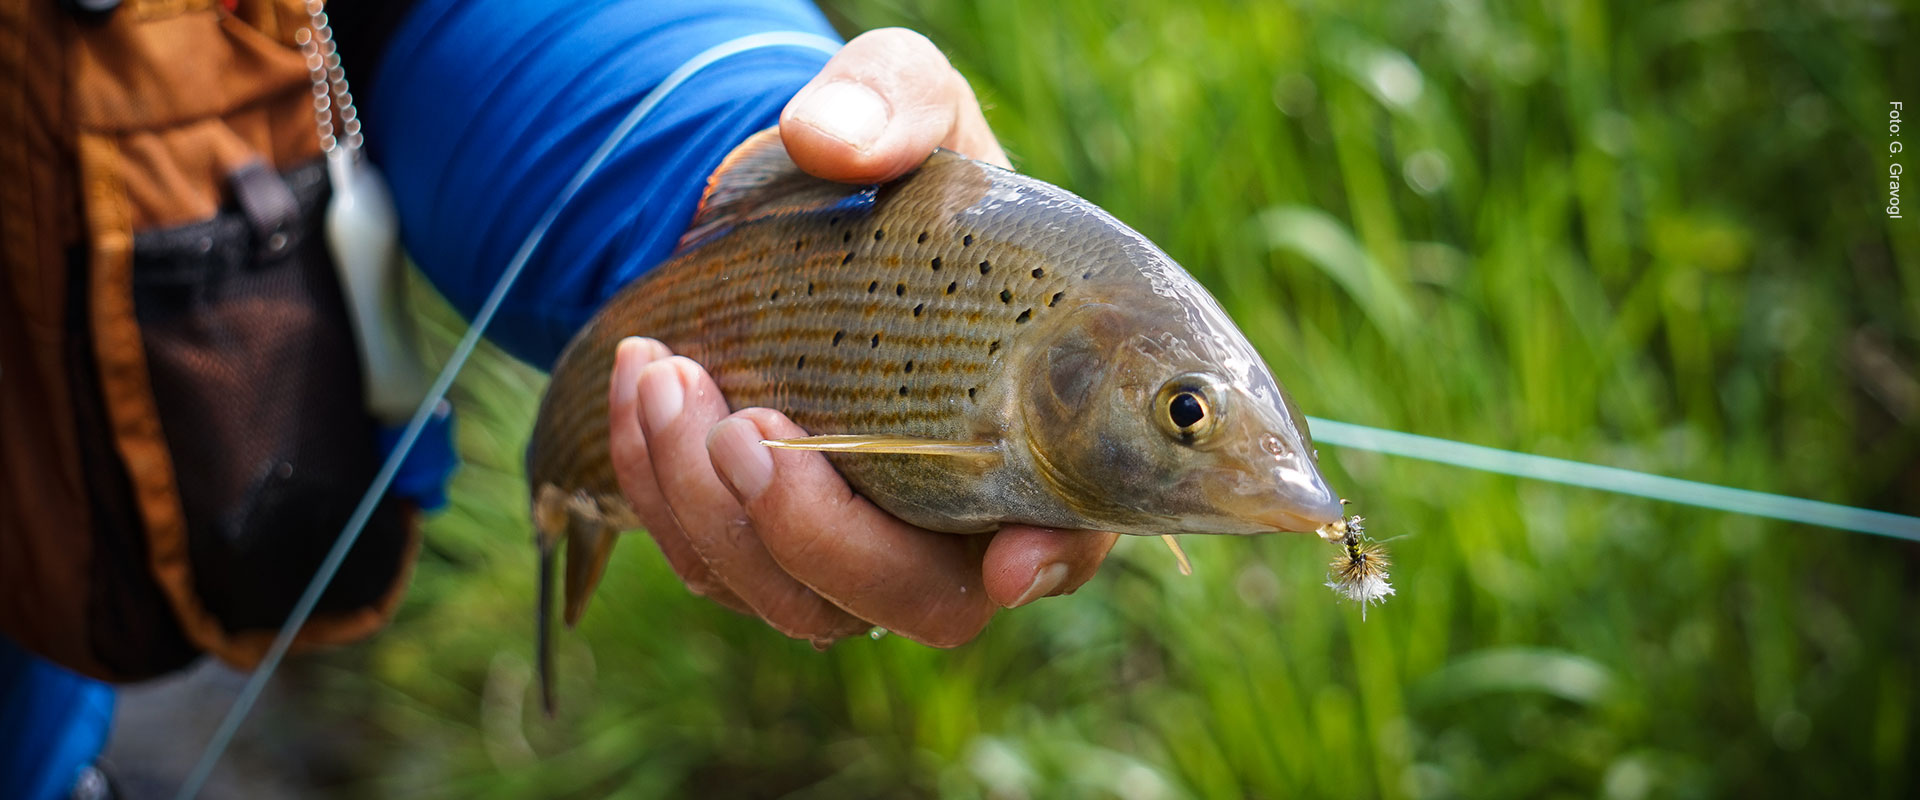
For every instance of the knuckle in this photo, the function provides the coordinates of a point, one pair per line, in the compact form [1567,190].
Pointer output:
[739,529]
[907,39]
[701,586]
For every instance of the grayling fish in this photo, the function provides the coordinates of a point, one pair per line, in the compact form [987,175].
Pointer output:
[971,347]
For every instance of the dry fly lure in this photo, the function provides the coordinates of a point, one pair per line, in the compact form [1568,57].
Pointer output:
[1359,573]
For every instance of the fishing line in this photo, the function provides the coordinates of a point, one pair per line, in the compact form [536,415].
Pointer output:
[1615,479]
[250,693]
[1360,437]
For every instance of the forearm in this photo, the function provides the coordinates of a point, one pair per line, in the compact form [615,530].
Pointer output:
[481,111]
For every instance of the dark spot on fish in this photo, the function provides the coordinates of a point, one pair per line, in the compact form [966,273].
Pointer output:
[909,365]
[832,221]
[876,340]
[799,244]
[899,290]
[1024,316]
[847,259]
[837,336]
[873,287]
[1086,275]
[919,308]
[1039,273]
[877,233]
[903,391]
[952,286]
[993,347]
[1055,300]
[774,296]
[800,363]
[971,390]
[936,263]
[923,237]
[967,240]
[1006,295]
[984,267]
[846,237]
[809,288]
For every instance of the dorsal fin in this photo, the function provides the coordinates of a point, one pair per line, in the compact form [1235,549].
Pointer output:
[758,180]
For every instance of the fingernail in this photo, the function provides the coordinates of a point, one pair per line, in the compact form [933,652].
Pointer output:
[745,463]
[661,395]
[845,110]
[1047,580]
[626,372]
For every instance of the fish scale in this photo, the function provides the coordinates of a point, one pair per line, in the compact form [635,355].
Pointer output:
[765,319]
[969,346]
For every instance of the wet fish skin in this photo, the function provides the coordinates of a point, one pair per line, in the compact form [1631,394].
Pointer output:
[962,303]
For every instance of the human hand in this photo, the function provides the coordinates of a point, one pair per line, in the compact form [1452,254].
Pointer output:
[779,534]
[880,106]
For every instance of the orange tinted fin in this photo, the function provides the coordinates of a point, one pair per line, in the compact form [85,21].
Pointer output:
[756,180]
[759,180]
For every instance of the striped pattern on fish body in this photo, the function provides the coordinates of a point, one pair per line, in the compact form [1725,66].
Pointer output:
[851,309]
[971,346]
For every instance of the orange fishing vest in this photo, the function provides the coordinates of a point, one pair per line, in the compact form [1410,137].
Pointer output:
[181,430]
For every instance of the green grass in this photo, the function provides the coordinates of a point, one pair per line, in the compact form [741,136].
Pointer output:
[1641,234]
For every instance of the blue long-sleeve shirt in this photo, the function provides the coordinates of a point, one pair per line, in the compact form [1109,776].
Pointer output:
[482,110]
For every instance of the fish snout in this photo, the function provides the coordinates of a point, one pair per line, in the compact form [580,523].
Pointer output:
[1286,497]
[1301,500]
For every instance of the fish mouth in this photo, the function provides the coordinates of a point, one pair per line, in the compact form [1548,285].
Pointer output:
[1285,499]
[1297,520]
[1305,504]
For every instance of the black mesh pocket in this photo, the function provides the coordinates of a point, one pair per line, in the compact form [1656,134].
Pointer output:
[257,383]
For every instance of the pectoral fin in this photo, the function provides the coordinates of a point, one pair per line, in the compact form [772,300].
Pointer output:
[902,445]
[1179,555]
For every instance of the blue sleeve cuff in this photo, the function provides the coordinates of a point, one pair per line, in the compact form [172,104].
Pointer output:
[53,724]
[486,108]
[423,476]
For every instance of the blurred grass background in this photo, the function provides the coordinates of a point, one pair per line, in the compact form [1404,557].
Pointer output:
[1635,233]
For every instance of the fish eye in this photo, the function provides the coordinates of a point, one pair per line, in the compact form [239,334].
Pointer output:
[1186,409]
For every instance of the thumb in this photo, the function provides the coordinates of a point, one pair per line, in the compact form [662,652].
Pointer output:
[879,107]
